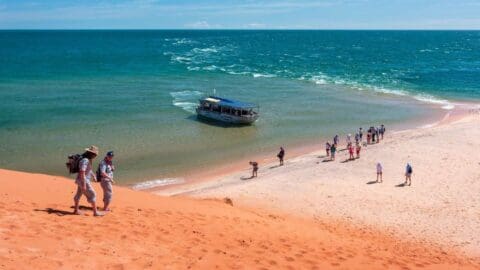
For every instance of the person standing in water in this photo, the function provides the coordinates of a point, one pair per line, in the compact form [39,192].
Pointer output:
[84,176]
[105,174]
[280,155]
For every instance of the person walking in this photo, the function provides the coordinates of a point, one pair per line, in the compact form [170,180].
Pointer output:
[335,140]
[84,176]
[408,175]
[254,168]
[105,175]
[377,134]
[327,148]
[379,172]
[382,130]
[360,132]
[333,149]
[280,155]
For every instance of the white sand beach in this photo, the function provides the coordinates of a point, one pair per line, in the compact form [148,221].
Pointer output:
[442,206]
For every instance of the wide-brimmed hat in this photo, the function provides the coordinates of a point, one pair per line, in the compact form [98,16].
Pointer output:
[92,149]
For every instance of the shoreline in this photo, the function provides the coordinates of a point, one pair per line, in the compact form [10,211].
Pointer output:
[210,173]
[315,195]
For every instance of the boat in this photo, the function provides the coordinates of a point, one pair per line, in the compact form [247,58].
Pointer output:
[227,110]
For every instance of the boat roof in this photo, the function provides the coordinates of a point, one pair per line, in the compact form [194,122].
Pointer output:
[230,103]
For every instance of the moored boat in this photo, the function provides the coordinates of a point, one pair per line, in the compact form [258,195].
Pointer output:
[227,110]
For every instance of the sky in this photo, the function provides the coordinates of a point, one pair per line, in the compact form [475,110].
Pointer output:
[232,14]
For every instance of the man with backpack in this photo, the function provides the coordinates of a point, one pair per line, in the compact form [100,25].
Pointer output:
[105,176]
[84,176]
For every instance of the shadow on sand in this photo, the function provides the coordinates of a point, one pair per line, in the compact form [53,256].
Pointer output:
[372,182]
[327,160]
[402,185]
[55,211]
[246,178]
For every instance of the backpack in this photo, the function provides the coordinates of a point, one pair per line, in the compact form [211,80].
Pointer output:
[73,162]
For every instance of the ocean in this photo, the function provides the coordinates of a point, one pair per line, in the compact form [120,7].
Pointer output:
[135,92]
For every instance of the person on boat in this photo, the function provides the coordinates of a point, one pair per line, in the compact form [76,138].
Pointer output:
[105,172]
[379,172]
[327,148]
[280,155]
[254,168]
[84,176]
[333,149]
[350,151]
[408,175]
[358,148]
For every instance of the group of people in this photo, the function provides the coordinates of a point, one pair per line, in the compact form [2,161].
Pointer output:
[374,135]
[85,175]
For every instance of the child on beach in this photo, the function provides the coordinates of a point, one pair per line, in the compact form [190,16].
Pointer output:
[358,149]
[350,151]
[280,155]
[379,172]
[333,149]
[327,148]
[254,168]
[408,175]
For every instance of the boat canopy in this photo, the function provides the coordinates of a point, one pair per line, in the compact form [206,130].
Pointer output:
[230,103]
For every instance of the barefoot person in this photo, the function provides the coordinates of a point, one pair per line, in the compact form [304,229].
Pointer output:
[350,151]
[105,175]
[85,174]
[327,148]
[379,172]
[408,175]
[254,168]
[382,130]
[280,155]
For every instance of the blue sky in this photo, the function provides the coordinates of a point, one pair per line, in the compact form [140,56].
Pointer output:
[231,14]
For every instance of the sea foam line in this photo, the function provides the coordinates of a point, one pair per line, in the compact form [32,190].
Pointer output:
[157,183]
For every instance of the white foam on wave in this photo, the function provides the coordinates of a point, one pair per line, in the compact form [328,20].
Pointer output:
[260,75]
[446,105]
[206,50]
[157,183]
[187,100]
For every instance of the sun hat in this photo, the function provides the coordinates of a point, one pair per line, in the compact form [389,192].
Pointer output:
[92,149]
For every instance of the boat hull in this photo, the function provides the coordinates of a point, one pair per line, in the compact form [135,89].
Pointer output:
[227,118]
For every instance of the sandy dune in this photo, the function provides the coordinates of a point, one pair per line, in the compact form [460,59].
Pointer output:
[149,231]
[441,206]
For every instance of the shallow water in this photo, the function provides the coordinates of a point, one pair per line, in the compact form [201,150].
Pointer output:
[135,91]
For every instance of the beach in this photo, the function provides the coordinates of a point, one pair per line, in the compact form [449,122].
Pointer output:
[440,206]
[307,214]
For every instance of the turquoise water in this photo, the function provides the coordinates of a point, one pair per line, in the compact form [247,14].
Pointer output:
[135,91]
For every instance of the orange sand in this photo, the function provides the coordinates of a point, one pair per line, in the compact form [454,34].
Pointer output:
[149,231]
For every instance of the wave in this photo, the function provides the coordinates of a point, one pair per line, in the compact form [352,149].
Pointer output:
[186,100]
[157,183]
[260,75]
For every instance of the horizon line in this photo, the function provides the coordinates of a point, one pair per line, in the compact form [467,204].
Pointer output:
[237,29]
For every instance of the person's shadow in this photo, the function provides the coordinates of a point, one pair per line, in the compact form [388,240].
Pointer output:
[246,178]
[57,212]
[402,185]
[372,182]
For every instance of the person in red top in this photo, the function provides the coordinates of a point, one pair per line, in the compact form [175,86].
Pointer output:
[350,151]
[358,150]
